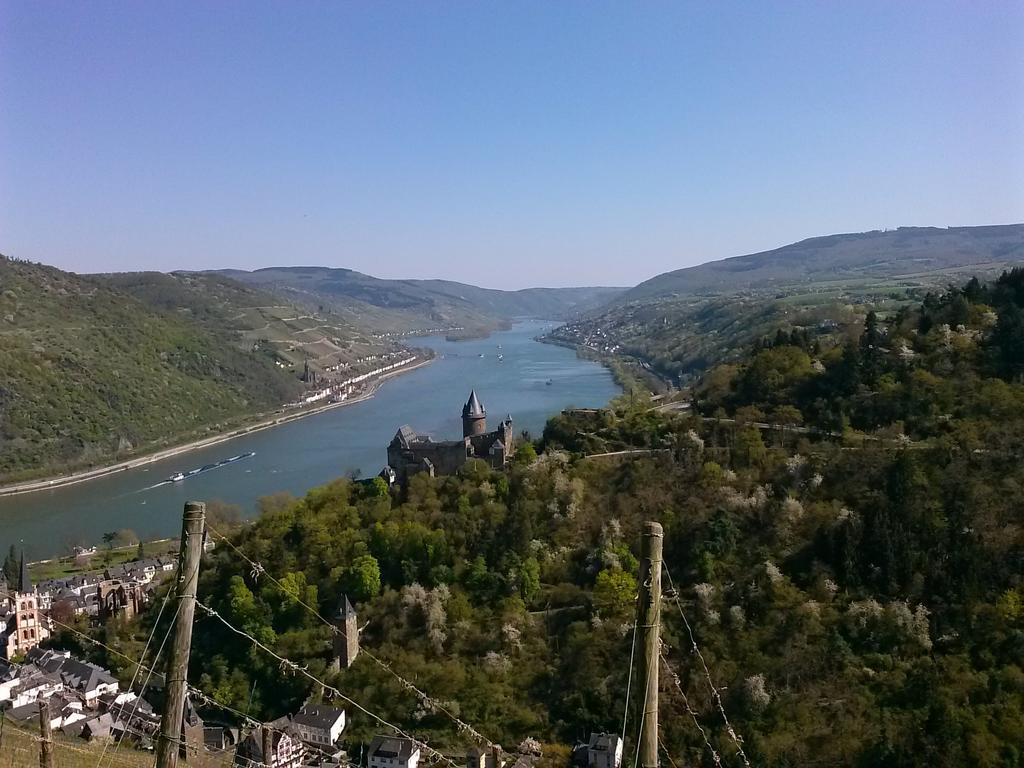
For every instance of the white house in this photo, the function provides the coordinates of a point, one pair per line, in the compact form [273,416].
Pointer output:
[87,680]
[32,685]
[319,725]
[604,751]
[393,752]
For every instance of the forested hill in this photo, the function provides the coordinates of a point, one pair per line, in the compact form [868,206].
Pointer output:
[906,251]
[90,372]
[843,529]
[415,304]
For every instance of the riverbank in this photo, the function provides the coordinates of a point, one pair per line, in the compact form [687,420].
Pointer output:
[631,374]
[59,481]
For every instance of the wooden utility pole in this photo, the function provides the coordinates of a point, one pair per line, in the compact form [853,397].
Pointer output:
[649,620]
[45,740]
[192,529]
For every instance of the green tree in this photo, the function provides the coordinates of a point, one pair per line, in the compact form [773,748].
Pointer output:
[526,454]
[749,449]
[10,570]
[377,488]
[362,579]
[223,517]
[529,579]
[614,592]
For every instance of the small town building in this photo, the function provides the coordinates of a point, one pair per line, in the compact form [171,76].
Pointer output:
[287,748]
[83,678]
[604,750]
[393,752]
[218,738]
[319,725]
[491,757]
[99,727]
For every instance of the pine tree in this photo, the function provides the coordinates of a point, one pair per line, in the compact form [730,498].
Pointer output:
[10,570]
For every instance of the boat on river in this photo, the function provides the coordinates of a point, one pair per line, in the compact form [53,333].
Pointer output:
[177,477]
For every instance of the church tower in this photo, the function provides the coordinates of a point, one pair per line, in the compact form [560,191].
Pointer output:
[346,641]
[474,417]
[27,628]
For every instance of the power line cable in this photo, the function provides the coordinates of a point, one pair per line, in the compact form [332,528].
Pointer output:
[689,710]
[717,697]
[258,570]
[287,665]
[138,668]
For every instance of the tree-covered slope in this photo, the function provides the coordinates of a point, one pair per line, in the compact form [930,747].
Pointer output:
[90,372]
[858,602]
[681,323]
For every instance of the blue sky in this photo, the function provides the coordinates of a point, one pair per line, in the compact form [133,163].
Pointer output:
[504,144]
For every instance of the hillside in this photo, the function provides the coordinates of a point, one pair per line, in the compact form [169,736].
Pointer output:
[410,305]
[907,251]
[681,323]
[257,319]
[865,578]
[90,372]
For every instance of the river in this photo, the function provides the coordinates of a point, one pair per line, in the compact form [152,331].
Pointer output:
[299,455]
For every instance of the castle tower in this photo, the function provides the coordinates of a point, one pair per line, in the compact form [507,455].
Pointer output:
[346,641]
[508,436]
[474,417]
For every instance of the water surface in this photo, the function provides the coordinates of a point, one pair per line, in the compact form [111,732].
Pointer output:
[297,456]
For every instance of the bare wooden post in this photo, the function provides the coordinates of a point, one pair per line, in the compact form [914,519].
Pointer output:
[192,528]
[649,619]
[45,739]
[268,745]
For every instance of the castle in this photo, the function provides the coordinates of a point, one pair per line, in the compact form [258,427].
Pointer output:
[410,453]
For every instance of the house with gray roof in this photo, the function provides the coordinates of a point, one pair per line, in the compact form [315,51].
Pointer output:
[604,750]
[288,750]
[393,752]
[319,724]
[86,679]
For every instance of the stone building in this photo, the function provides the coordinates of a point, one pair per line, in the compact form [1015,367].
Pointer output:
[491,757]
[120,599]
[410,453]
[24,626]
[346,640]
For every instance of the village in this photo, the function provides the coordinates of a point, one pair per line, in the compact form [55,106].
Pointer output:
[77,699]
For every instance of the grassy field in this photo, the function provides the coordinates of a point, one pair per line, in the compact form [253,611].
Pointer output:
[19,748]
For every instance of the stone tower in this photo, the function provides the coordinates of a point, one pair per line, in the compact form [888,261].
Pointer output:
[346,641]
[27,627]
[474,417]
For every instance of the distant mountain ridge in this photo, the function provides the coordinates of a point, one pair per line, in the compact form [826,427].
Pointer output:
[877,254]
[405,304]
